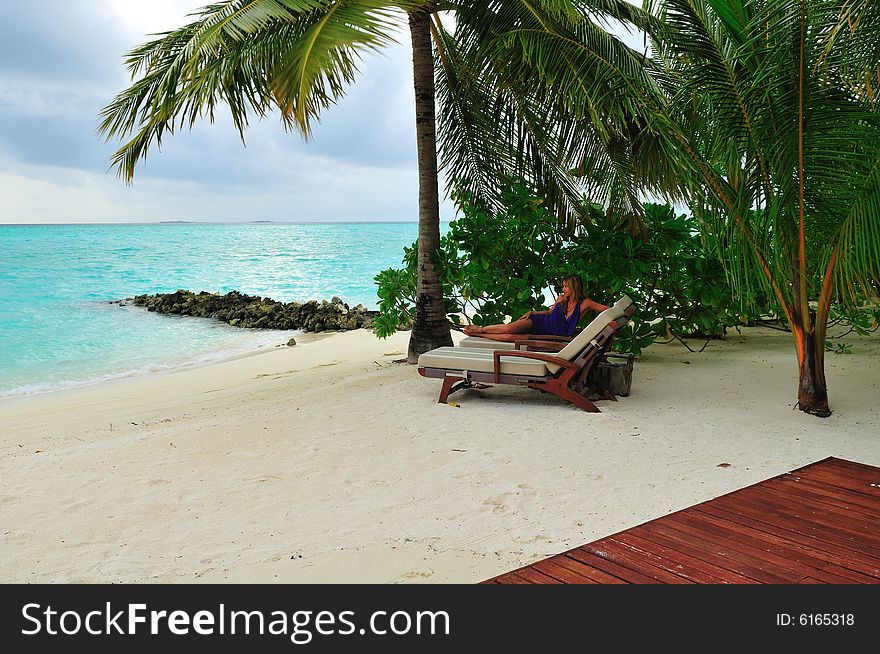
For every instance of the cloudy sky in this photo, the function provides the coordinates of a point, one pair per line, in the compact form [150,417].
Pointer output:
[61,62]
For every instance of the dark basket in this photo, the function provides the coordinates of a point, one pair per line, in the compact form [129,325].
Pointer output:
[611,377]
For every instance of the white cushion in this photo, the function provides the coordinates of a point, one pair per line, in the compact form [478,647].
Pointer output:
[486,343]
[479,360]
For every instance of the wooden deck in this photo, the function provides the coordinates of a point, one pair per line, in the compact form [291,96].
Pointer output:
[819,524]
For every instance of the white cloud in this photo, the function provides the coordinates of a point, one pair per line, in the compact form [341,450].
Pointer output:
[61,62]
[151,16]
[310,188]
[22,96]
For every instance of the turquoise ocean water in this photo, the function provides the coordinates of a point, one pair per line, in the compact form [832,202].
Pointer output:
[58,329]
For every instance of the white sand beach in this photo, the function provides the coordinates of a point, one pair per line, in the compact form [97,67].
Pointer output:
[326,462]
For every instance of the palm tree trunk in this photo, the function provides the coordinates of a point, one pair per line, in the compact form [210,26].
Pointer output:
[812,389]
[430,327]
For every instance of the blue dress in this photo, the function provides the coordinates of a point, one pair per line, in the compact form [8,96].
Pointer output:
[555,322]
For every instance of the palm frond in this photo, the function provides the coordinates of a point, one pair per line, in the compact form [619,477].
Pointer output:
[502,114]
[578,111]
[250,55]
[784,154]
[855,38]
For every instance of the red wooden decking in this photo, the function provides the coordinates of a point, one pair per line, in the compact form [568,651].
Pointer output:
[819,524]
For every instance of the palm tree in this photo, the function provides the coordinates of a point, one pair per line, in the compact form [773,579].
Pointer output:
[759,121]
[781,159]
[496,119]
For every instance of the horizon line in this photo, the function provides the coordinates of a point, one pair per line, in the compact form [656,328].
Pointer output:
[228,222]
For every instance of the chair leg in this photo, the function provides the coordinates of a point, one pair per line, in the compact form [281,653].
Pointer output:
[577,399]
[582,377]
[447,388]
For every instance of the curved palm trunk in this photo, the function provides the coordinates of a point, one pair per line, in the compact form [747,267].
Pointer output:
[430,327]
[812,389]
[809,332]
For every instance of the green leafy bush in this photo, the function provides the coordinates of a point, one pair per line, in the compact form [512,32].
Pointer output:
[500,265]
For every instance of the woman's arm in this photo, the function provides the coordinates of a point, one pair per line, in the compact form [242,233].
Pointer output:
[591,304]
[543,313]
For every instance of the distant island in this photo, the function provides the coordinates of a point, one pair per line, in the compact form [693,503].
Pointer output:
[201,222]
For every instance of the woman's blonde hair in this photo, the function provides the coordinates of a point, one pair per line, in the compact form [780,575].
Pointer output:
[576,284]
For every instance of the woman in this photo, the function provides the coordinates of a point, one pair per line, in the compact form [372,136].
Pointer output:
[559,320]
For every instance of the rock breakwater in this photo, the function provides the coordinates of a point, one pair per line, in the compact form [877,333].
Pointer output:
[251,311]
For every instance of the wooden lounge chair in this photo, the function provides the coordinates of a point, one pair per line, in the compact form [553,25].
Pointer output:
[555,343]
[561,373]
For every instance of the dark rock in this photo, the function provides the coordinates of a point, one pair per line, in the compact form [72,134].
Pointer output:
[249,311]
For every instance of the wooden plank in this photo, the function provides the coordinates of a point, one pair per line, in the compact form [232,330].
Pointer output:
[841,514]
[850,481]
[833,463]
[820,520]
[694,568]
[510,578]
[856,560]
[535,576]
[621,572]
[594,575]
[843,464]
[809,489]
[780,551]
[744,563]
[795,503]
[812,525]
[752,511]
[829,576]
[553,569]
[637,560]
[811,535]
[741,547]
[654,533]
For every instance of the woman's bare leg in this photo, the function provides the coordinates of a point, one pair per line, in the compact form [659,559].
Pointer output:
[521,326]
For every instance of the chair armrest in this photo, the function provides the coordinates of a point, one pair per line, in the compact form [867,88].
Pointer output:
[551,337]
[539,356]
[531,342]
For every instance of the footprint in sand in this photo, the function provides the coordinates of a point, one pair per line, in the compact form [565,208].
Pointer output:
[417,574]
[275,375]
[534,539]
[262,478]
[499,504]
